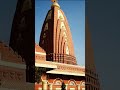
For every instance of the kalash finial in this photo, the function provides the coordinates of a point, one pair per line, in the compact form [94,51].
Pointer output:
[55,3]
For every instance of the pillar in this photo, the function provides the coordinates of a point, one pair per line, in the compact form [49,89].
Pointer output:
[66,86]
[79,87]
[44,85]
[50,85]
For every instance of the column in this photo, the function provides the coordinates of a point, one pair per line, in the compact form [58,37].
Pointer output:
[44,85]
[50,85]
[79,87]
[66,86]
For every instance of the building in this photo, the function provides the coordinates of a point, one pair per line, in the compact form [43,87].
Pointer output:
[22,35]
[55,54]
[17,60]
[12,70]
[92,78]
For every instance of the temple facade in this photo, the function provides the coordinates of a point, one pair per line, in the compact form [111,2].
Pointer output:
[53,74]
[54,54]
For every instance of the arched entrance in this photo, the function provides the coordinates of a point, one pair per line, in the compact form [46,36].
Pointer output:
[57,84]
[82,85]
[72,85]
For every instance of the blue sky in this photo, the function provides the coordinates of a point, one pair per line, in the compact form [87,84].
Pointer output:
[75,13]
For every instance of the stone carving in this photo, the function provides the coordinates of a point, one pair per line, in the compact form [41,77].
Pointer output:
[11,75]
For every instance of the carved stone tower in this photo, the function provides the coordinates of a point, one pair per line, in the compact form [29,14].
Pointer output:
[23,33]
[56,38]
[92,78]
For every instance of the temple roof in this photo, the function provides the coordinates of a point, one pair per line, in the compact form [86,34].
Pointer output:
[61,68]
[10,58]
[40,53]
[8,54]
[56,37]
[66,72]
[67,69]
[39,49]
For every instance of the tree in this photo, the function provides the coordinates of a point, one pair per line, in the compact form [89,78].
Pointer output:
[63,86]
[38,74]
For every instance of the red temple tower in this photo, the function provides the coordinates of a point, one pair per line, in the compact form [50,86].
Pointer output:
[56,38]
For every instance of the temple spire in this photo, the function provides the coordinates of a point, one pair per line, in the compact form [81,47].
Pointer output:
[56,38]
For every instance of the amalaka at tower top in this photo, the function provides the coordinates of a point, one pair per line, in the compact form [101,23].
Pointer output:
[55,3]
[56,38]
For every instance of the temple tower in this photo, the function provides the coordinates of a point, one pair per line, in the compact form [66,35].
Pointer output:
[22,38]
[92,78]
[56,38]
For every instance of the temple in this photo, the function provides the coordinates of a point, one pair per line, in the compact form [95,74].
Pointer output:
[54,55]
[22,35]
[53,58]
[12,70]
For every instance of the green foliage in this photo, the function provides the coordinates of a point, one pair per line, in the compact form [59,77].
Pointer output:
[38,73]
[63,86]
